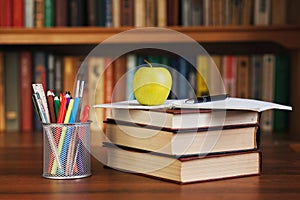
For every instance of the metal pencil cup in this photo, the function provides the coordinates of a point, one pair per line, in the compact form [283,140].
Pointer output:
[66,150]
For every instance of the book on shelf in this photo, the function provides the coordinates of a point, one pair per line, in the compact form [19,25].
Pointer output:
[6,17]
[267,90]
[262,12]
[26,112]
[18,13]
[2,93]
[183,142]
[185,169]
[279,11]
[49,13]
[12,94]
[29,13]
[39,12]
[229,74]
[61,16]
[281,91]
[243,74]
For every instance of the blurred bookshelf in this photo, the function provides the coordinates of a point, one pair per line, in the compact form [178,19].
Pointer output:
[219,39]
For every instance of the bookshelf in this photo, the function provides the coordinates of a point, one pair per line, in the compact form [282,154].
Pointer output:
[286,36]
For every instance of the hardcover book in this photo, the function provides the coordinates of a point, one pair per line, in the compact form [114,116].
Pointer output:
[183,142]
[185,169]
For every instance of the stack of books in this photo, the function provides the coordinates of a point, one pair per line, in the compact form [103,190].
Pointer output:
[185,142]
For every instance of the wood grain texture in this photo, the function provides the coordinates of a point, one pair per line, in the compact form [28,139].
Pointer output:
[21,168]
[286,36]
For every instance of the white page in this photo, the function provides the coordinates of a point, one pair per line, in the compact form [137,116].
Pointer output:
[229,104]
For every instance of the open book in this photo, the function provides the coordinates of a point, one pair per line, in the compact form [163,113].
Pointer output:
[229,103]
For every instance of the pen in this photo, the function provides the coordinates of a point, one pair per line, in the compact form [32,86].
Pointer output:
[204,99]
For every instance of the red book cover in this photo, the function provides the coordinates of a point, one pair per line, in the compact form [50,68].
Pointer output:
[6,13]
[119,92]
[18,13]
[229,74]
[26,91]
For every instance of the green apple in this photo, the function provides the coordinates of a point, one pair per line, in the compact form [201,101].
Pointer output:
[151,85]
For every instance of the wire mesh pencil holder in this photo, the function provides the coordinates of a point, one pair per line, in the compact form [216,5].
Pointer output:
[66,150]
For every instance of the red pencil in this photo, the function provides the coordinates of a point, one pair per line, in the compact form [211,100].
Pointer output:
[62,110]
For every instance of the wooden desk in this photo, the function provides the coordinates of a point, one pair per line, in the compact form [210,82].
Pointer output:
[21,158]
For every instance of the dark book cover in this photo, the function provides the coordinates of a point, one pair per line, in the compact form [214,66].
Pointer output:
[172,12]
[127,12]
[12,91]
[76,12]
[61,12]
[101,13]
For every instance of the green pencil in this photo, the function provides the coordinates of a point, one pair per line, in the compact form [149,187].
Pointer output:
[56,105]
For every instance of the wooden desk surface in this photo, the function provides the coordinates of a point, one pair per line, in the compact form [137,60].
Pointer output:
[21,159]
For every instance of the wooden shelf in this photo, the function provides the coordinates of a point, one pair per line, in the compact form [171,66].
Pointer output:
[287,36]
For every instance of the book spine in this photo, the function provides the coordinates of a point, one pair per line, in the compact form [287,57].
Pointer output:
[186,16]
[95,91]
[29,13]
[127,13]
[61,13]
[267,90]
[247,12]
[229,74]
[2,93]
[39,13]
[227,12]
[202,75]
[172,12]
[108,84]
[49,13]
[91,11]
[6,12]
[50,71]
[151,13]
[26,112]
[279,12]
[207,11]
[161,13]
[281,91]
[131,64]
[243,73]
[256,76]
[119,93]
[108,13]
[12,94]
[101,13]
[18,13]
[182,79]
[262,12]
[139,13]
[196,12]
[236,8]
[217,12]
[58,74]
[116,13]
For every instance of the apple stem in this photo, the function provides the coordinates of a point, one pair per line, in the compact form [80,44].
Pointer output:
[146,61]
